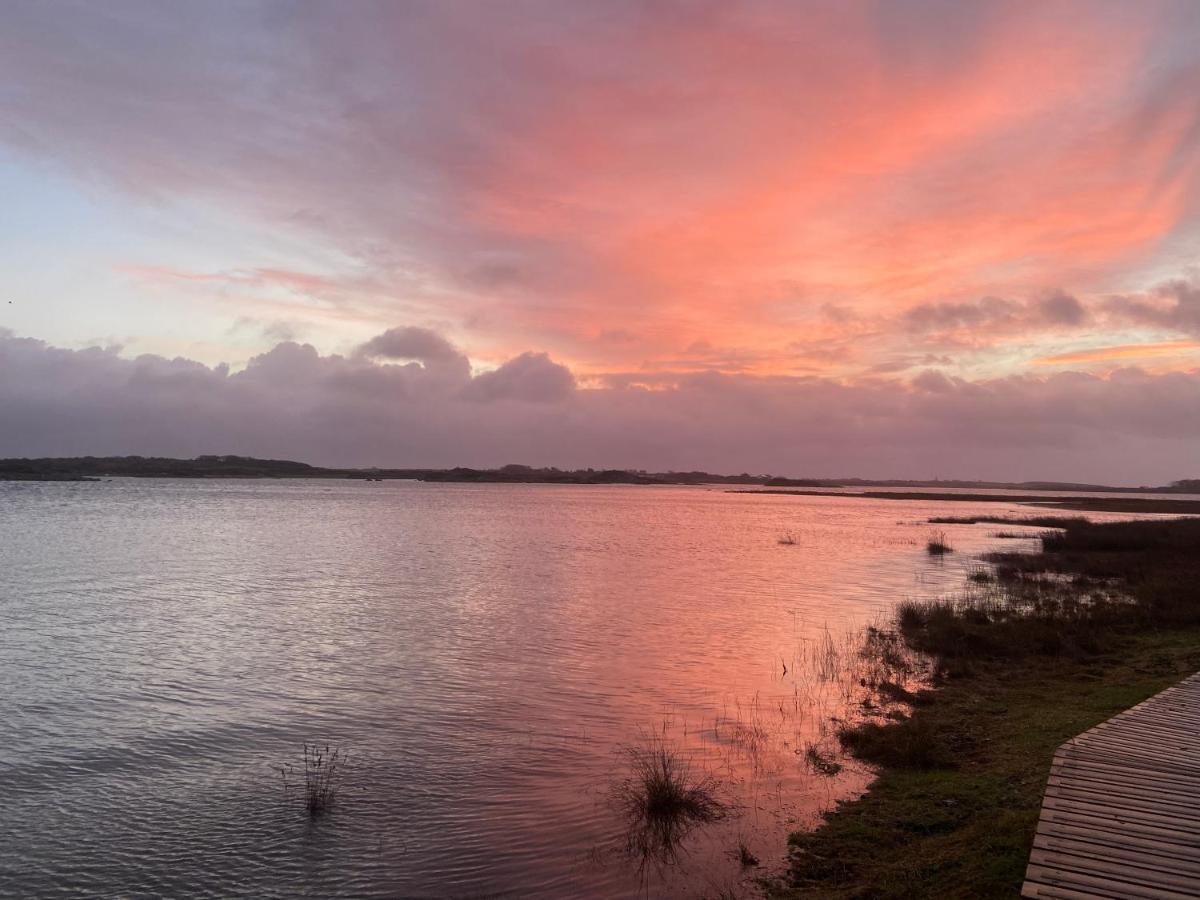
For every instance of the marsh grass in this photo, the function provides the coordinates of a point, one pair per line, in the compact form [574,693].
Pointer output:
[1090,585]
[1032,521]
[938,544]
[908,743]
[663,800]
[981,575]
[320,777]
[1104,616]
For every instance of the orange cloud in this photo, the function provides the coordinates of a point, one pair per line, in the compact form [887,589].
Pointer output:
[1120,353]
[752,157]
[720,176]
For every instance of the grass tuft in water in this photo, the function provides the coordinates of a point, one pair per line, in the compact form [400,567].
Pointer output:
[663,800]
[321,775]
[938,544]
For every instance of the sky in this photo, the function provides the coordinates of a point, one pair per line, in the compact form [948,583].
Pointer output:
[889,239]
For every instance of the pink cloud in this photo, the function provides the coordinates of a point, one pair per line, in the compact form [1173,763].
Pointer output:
[720,175]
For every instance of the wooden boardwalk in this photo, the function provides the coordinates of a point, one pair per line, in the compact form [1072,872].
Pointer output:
[1121,816]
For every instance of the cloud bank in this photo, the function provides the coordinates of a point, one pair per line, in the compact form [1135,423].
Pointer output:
[409,398]
[705,174]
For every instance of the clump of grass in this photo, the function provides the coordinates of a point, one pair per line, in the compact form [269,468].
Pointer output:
[819,762]
[981,576]
[938,544]
[895,693]
[321,776]
[788,539]
[745,856]
[663,800]
[904,744]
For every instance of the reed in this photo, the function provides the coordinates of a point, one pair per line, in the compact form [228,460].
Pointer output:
[320,777]
[938,544]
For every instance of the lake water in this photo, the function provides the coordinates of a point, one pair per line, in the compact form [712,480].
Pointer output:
[486,654]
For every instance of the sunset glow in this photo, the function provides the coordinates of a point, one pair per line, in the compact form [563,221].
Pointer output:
[860,193]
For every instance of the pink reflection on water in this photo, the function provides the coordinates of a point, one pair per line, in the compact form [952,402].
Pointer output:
[487,652]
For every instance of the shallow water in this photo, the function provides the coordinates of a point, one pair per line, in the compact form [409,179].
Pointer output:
[484,652]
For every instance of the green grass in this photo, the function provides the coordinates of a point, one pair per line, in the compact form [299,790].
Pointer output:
[1104,617]
[953,811]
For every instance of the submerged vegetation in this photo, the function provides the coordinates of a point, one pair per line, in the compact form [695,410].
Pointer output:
[1105,616]
[821,762]
[319,780]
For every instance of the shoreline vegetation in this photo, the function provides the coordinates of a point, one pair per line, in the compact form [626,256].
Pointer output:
[1053,643]
[1165,505]
[89,468]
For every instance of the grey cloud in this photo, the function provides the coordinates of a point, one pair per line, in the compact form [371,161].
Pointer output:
[997,314]
[944,316]
[530,376]
[429,348]
[1062,309]
[1174,306]
[1128,427]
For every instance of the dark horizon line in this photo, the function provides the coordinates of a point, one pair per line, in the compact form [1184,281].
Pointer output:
[237,466]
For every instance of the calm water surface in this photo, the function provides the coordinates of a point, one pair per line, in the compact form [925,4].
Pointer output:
[485,652]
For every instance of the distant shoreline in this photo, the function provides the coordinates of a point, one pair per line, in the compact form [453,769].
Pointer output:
[1082,504]
[93,468]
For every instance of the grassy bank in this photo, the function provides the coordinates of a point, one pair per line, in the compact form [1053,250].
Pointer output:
[1104,617]
[1136,505]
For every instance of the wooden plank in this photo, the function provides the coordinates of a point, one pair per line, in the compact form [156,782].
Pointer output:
[1157,745]
[1144,875]
[1121,811]
[1146,761]
[1076,818]
[1147,724]
[1118,848]
[1114,771]
[1119,814]
[1054,876]
[1103,771]
[1128,797]
[1051,892]
[1051,831]
[1142,782]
